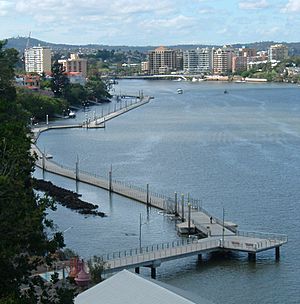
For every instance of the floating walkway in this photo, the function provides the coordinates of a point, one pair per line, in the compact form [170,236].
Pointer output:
[97,122]
[217,234]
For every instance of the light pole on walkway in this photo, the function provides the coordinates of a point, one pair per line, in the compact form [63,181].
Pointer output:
[140,232]
[223,231]
[110,179]
[189,218]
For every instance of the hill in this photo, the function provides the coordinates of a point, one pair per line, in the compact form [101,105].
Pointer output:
[20,44]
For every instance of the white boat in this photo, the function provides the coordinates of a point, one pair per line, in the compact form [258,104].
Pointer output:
[72,114]
[194,79]
[179,91]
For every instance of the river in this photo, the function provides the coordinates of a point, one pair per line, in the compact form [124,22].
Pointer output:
[239,151]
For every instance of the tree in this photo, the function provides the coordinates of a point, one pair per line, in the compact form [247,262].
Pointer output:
[96,267]
[76,94]
[96,89]
[59,82]
[23,218]
[8,59]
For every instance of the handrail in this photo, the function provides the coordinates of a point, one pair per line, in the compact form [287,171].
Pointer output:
[263,235]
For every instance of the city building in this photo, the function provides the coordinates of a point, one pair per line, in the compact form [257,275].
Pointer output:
[145,67]
[75,64]
[190,61]
[29,81]
[38,60]
[247,52]
[162,61]
[239,64]
[260,58]
[204,60]
[179,60]
[197,61]
[76,77]
[278,52]
[222,60]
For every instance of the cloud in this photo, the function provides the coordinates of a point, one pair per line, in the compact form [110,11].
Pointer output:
[251,5]
[175,23]
[207,10]
[87,7]
[293,6]
[4,7]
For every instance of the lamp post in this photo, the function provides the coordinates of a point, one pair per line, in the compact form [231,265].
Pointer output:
[140,235]
[189,218]
[110,179]
[140,232]
[223,230]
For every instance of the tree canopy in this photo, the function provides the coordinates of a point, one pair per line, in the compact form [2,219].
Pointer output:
[23,223]
[59,82]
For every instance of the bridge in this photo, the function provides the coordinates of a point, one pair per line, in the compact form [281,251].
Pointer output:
[152,256]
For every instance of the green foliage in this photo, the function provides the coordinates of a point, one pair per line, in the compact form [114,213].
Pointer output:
[40,105]
[111,56]
[96,266]
[45,84]
[8,59]
[96,89]
[23,221]
[76,94]
[59,82]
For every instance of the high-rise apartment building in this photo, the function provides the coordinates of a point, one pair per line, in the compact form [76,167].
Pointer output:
[204,60]
[75,64]
[197,61]
[190,61]
[240,61]
[247,52]
[38,60]
[278,52]
[162,61]
[222,60]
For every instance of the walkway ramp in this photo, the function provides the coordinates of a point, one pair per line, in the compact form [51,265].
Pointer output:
[152,256]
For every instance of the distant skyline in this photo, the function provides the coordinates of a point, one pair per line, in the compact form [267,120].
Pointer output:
[145,22]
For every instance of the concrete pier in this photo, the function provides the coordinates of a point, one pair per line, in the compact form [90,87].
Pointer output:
[252,256]
[153,272]
[277,253]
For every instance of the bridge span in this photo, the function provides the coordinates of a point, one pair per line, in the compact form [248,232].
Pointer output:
[152,256]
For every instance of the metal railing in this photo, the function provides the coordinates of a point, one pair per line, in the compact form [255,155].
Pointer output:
[157,251]
[262,235]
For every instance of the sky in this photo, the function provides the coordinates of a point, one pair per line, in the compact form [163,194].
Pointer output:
[151,22]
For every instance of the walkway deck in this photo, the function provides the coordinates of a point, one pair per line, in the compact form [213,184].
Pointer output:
[153,256]
[219,236]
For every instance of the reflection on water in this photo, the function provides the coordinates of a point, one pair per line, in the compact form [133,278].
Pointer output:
[238,150]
